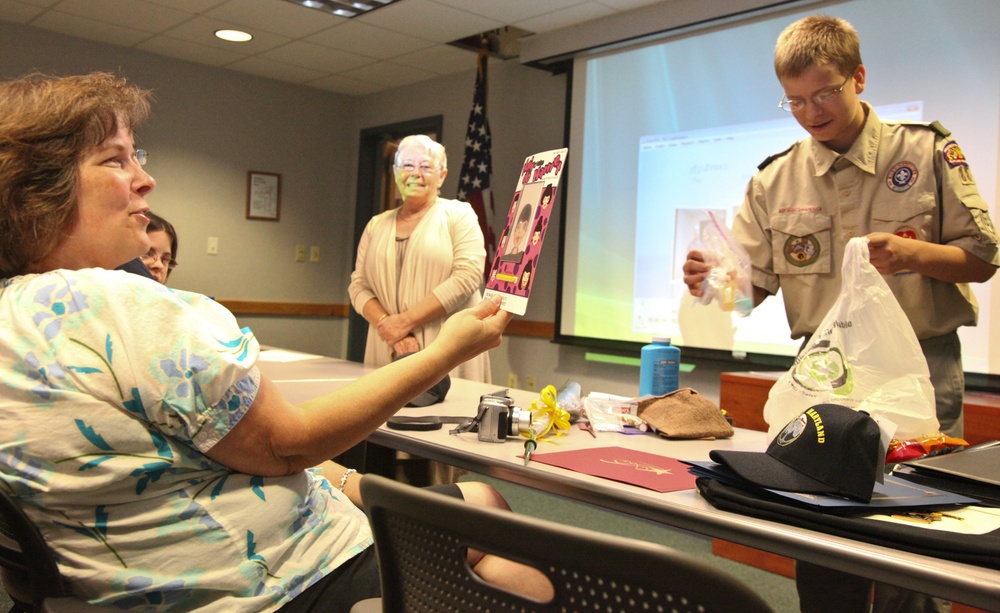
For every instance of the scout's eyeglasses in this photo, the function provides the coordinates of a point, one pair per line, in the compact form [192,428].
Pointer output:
[793,105]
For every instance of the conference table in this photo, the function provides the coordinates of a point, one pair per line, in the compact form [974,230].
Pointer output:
[302,377]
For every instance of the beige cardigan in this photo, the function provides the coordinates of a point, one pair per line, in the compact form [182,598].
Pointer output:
[445,255]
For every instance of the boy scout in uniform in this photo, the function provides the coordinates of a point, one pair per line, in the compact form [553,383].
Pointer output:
[906,186]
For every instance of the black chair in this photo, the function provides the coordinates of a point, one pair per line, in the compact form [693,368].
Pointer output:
[28,569]
[421,539]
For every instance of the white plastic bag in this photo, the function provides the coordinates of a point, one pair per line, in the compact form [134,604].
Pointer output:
[864,355]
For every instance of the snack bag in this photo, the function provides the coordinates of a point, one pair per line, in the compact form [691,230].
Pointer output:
[729,280]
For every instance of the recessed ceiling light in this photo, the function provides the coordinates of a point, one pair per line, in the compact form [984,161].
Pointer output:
[343,8]
[233,36]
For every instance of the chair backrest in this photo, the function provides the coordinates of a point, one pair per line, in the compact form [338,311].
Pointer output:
[421,539]
[25,556]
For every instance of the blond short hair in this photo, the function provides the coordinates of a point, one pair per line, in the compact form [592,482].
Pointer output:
[814,41]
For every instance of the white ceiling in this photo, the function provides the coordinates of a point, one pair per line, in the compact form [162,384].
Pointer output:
[392,46]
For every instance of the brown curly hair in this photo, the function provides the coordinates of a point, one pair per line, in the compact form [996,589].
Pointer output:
[47,125]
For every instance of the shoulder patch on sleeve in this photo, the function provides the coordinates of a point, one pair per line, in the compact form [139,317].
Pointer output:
[771,158]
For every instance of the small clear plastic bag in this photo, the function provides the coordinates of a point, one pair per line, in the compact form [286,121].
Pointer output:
[728,281]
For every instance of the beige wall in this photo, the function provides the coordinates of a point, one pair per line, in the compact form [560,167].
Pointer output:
[210,126]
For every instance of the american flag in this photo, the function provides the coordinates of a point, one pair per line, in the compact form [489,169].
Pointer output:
[477,169]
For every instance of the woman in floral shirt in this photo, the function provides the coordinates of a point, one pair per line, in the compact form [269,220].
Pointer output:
[162,469]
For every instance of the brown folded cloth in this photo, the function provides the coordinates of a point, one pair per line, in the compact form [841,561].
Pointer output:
[684,414]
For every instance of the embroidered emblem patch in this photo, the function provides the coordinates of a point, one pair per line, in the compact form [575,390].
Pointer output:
[801,251]
[906,232]
[901,177]
[953,155]
[792,430]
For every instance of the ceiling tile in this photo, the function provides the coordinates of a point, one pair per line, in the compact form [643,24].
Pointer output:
[190,6]
[88,28]
[275,16]
[192,52]
[396,45]
[628,5]
[136,14]
[275,70]
[426,19]
[317,57]
[18,12]
[566,17]
[40,3]
[509,11]
[201,30]
[389,74]
[442,59]
[347,86]
[357,37]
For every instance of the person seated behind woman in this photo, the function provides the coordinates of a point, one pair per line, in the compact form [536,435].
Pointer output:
[161,259]
[161,467]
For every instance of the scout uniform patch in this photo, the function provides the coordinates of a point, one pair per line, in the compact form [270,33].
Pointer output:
[901,177]
[956,159]
[953,155]
[801,251]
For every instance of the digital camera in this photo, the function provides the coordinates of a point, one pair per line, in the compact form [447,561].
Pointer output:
[498,418]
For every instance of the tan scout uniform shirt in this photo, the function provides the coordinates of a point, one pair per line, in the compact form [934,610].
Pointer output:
[803,207]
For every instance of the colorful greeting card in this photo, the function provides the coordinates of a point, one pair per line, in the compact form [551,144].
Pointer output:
[521,240]
[654,472]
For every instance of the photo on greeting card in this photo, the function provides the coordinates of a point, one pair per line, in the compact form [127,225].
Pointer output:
[520,242]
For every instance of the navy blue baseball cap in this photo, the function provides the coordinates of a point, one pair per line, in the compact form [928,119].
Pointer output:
[828,449]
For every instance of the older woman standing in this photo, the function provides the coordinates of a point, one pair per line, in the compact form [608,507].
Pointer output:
[419,262]
[158,463]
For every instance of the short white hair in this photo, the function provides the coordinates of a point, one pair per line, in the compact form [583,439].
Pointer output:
[433,148]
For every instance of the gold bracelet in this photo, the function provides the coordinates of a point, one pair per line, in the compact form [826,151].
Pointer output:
[384,315]
[343,480]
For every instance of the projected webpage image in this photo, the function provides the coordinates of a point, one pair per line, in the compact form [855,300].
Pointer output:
[681,176]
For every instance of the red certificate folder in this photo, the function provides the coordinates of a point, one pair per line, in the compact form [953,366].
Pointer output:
[655,472]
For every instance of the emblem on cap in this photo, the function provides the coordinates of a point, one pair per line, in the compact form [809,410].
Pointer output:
[901,177]
[801,251]
[906,232]
[792,431]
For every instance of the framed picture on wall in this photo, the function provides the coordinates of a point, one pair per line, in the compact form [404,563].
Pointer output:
[263,195]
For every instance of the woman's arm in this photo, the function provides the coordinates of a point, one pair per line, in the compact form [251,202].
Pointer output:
[360,289]
[275,437]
